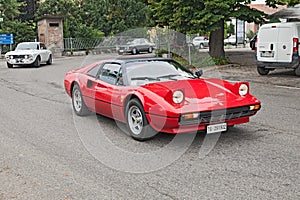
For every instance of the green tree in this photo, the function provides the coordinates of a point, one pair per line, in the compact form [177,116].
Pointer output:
[209,15]
[90,18]
[9,9]
[126,14]
[9,12]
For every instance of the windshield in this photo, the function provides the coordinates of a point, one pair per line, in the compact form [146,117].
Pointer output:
[27,46]
[144,72]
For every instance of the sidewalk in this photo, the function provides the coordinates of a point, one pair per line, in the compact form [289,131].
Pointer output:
[241,56]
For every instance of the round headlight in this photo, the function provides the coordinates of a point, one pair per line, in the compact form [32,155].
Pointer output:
[178,96]
[243,89]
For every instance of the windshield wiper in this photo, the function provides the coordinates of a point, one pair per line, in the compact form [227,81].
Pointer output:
[143,78]
[169,76]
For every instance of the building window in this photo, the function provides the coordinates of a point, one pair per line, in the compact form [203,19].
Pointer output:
[54,24]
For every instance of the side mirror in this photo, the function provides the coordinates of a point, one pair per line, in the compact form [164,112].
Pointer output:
[199,73]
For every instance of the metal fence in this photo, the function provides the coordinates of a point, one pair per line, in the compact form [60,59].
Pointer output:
[76,44]
[167,41]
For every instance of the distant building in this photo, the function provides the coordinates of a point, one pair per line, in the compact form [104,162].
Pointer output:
[265,9]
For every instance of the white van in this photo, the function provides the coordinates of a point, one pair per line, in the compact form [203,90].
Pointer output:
[277,46]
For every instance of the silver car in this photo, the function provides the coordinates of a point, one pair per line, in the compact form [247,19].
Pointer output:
[135,46]
[200,42]
[29,54]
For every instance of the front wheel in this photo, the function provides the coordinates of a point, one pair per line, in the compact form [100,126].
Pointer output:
[37,62]
[78,103]
[137,123]
[10,65]
[262,71]
[201,46]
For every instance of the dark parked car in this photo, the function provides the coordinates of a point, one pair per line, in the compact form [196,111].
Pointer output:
[252,42]
[135,46]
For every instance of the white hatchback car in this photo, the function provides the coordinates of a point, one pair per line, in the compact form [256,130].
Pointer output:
[29,53]
[200,42]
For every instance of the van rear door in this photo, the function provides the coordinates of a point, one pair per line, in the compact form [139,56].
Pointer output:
[275,43]
[267,44]
[285,44]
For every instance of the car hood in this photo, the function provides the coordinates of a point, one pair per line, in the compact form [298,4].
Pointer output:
[22,52]
[207,93]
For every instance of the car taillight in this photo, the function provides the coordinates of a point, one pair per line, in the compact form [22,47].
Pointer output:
[255,44]
[295,44]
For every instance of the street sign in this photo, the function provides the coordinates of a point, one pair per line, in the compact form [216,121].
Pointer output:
[6,38]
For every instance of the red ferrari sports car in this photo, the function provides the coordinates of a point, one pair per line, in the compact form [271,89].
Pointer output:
[152,95]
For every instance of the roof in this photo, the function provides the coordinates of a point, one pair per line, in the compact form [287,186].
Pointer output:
[30,42]
[141,59]
[288,13]
[266,9]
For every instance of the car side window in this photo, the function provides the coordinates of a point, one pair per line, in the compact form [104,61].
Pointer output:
[110,73]
[94,71]
[43,46]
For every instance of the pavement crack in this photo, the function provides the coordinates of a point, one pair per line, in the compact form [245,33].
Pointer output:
[13,87]
[163,193]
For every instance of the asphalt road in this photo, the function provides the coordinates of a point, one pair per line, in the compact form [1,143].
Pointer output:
[46,152]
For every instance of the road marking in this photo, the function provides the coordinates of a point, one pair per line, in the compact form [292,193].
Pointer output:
[287,87]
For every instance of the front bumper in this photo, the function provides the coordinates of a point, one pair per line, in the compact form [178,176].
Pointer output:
[176,125]
[20,61]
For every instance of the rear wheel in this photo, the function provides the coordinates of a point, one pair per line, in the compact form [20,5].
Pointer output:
[262,71]
[49,61]
[137,123]
[201,46]
[134,51]
[150,50]
[78,103]
[10,65]
[297,71]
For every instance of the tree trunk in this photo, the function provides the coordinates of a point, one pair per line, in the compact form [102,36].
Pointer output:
[216,41]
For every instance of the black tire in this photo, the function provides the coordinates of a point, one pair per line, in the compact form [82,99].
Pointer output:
[201,46]
[134,51]
[136,121]
[297,71]
[228,129]
[79,106]
[10,65]
[150,50]
[262,71]
[49,61]
[37,62]
[120,53]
